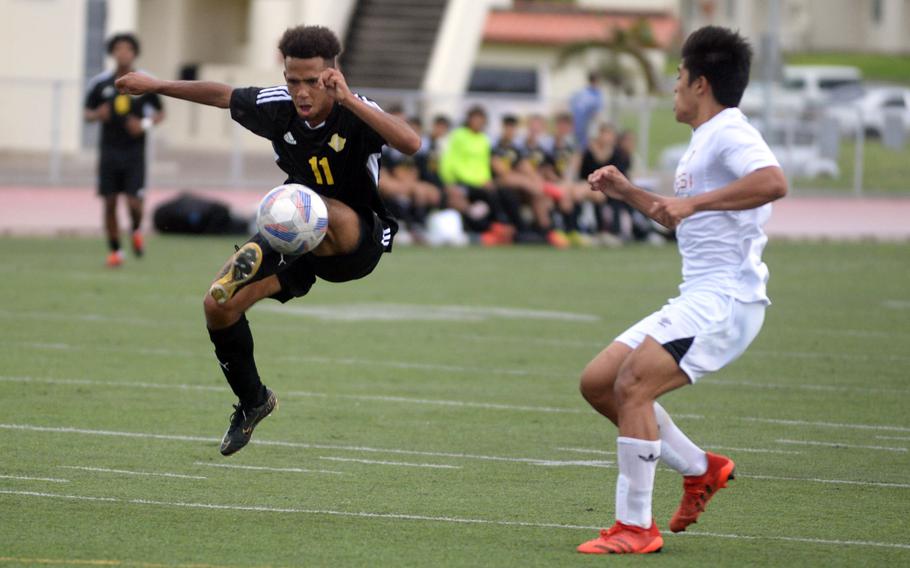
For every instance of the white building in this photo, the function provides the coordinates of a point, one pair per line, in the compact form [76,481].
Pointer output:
[431,47]
[875,26]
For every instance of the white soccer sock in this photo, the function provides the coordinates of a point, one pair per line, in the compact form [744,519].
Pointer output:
[676,449]
[637,460]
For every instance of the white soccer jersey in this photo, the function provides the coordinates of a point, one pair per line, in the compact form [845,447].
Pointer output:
[721,250]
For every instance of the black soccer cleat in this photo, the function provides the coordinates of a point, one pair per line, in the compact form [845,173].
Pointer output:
[243,420]
[244,265]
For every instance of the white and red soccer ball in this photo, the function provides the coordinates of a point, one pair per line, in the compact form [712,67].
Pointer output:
[292,218]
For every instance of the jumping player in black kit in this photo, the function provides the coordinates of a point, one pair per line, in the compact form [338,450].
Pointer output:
[325,137]
[124,122]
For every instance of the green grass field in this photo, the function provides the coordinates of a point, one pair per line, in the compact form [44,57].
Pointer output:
[445,429]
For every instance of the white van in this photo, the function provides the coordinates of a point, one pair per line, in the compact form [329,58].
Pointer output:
[804,89]
[815,83]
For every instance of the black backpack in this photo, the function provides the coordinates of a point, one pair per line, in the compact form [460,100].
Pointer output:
[191,214]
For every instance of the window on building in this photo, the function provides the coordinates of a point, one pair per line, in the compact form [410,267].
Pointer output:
[503,80]
[877,11]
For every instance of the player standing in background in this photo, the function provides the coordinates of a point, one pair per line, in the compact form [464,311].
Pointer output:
[121,162]
[325,137]
[724,185]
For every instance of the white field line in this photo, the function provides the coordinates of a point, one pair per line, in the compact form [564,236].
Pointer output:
[86,318]
[308,394]
[426,518]
[840,445]
[797,539]
[422,312]
[842,425]
[723,382]
[444,402]
[712,446]
[27,478]
[131,472]
[438,367]
[830,481]
[399,464]
[361,449]
[273,469]
[902,438]
[897,304]
[60,346]
[829,355]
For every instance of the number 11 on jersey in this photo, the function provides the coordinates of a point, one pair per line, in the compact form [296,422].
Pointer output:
[315,163]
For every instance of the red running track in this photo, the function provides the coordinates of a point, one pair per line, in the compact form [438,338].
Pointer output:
[77,210]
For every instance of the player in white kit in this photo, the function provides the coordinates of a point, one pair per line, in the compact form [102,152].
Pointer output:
[724,185]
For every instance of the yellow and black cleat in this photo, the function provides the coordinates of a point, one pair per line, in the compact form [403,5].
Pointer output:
[243,267]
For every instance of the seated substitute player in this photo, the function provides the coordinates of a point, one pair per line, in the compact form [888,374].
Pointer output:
[325,137]
[724,185]
[121,161]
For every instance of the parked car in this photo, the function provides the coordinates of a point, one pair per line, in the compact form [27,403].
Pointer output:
[876,105]
[804,89]
[815,83]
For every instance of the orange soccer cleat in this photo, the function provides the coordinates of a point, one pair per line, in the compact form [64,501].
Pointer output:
[624,539]
[114,259]
[698,490]
[558,239]
[138,243]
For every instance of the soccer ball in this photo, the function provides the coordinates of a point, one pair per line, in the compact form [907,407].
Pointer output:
[292,218]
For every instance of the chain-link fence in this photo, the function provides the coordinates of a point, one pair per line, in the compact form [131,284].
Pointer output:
[833,153]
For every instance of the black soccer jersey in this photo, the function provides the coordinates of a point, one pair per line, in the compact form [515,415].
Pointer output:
[508,152]
[538,155]
[338,158]
[114,135]
[563,152]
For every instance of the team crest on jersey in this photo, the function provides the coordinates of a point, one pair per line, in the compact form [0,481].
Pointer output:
[289,138]
[337,142]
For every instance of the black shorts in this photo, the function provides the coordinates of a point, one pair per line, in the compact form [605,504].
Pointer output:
[121,171]
[298,274]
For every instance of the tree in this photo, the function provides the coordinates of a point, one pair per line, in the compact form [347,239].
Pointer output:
[616,42]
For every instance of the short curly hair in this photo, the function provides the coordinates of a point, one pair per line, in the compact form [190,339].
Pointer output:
[125,38]
[305,42]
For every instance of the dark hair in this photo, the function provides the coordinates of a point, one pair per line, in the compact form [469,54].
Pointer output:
[305,42]
[563,117]
[510,120]
[125,37]
[395,108]
[476,110]
[442,119]
[723,58]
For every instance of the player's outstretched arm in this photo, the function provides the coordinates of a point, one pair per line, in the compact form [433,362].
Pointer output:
[202,92]
[396,132]
[612,183]
[754,190]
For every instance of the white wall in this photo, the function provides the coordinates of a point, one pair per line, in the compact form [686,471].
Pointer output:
[454,52]
[42,42]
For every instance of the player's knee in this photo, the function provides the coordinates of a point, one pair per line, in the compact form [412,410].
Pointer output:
[215,313]
[594,385]
[629,388]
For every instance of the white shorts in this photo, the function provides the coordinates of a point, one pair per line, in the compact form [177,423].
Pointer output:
[703,331]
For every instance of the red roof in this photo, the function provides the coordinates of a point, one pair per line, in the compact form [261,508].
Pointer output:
[559,28]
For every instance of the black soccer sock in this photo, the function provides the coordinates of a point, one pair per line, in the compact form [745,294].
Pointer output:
[113,244]
[570,218]
[234,350]
[136,218]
